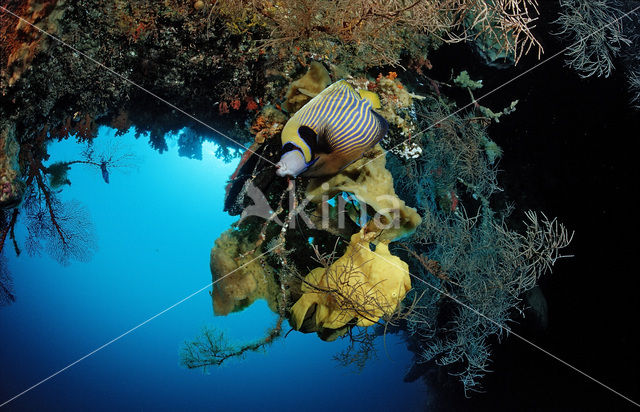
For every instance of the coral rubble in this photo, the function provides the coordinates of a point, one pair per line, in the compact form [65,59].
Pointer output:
[161,67]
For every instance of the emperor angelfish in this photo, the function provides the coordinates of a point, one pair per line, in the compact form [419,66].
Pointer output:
[331,131]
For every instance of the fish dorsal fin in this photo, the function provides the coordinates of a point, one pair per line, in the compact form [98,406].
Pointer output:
[307,92]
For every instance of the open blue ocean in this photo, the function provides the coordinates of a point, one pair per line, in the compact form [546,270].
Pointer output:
[156,225]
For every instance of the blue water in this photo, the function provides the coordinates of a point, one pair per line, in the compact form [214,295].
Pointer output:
[156,225]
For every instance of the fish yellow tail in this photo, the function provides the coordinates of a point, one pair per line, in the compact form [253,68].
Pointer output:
[372,97]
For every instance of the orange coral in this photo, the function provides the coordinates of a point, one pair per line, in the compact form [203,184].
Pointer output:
[20,41]
[267,124]
[83,129]
[138,31]
[235,104]
[251,104]
[260,123]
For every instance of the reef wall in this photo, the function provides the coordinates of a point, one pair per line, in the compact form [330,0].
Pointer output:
[174,50]
[11,185]
[162,66]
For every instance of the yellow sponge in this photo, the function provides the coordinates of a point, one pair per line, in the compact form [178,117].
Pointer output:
[362,285]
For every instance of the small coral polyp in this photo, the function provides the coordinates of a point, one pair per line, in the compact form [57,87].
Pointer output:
[357,289]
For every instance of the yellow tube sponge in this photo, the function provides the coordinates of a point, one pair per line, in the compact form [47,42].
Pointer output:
[372,184]
[362,285]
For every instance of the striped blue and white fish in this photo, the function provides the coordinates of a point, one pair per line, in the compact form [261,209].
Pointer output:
[331,131]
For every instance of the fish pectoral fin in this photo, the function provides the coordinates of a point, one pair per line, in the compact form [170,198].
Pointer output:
[329,164]
[324,165]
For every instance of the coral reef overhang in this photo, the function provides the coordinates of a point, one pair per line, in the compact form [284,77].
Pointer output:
[175,66]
